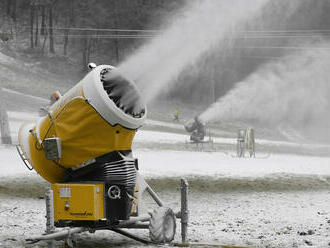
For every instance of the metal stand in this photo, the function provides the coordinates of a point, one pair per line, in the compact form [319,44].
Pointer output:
[184,210]
[154,196]
[241,143]
[50,228]
[245,142]
[139,222]
[250,142]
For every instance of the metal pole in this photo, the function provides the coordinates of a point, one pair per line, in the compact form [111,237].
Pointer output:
[50,228]
[154,196]
[241,142]
[184,210]
[129,235]
[141,225]
[133,220]
[58,235]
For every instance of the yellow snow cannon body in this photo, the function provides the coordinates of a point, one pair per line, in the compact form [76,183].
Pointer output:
[82,146]
[98,116]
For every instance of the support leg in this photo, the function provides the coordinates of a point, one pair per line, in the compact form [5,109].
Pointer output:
[184,210]
[50,228]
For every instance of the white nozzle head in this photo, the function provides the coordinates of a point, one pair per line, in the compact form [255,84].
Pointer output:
[91,65]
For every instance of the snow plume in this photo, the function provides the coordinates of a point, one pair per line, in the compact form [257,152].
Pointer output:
[198,28]
[293,91]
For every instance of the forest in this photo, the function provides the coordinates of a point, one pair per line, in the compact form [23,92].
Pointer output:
[108,31]
[90,28]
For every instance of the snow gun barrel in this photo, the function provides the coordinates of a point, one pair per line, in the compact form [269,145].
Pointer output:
[98,116]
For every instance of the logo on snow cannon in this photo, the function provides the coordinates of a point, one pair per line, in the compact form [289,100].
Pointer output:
[97,116]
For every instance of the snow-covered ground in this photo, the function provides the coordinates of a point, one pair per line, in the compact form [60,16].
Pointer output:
[274,200]
[171,138]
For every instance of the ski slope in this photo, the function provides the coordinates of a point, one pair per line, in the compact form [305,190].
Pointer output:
[268,201]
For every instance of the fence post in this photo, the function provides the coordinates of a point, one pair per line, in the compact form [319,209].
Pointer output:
[4,123]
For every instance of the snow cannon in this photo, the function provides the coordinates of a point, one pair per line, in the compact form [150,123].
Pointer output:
[196,128]
[94,121]
[83,147]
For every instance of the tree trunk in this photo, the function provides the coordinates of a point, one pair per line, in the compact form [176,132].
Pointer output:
[44,43]
[84,52]
[66,38]
[87,45]
[116,41]
[51,33]
[8,7]
[89,48]
[68,25]
[13,10]
[71,13]
[72,20]
[43,20]
[51,36]
[31,24]
[37,27]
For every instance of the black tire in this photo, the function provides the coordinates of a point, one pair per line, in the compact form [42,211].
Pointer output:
[162,225]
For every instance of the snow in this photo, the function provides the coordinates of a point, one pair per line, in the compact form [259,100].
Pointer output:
[180,163]
[10,163]
[234,201]
[172,138]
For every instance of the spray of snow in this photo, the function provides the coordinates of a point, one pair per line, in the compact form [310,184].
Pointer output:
[199,28]
[293,91]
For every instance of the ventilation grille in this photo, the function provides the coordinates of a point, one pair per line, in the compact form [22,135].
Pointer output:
[121,172]
[117,167]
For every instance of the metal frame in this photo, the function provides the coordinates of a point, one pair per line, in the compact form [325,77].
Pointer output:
[200,144]
[137,222]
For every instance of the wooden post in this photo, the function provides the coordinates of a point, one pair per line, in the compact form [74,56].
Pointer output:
[4,123]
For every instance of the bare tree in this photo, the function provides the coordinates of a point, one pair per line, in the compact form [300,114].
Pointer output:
[69,23]
[86,48]
[51,27]
[8,7]
[13,10]
[32,7]
[115,20]
[43,30]
[36,11]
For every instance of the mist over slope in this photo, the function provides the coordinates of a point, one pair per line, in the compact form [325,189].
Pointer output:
[197,29]
[293,92]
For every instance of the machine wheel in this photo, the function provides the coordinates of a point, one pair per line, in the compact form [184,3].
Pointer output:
[162,225]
